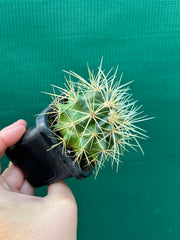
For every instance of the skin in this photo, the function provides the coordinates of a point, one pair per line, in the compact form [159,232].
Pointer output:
[25,216]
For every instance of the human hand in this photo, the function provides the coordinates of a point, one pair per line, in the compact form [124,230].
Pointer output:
[25,216]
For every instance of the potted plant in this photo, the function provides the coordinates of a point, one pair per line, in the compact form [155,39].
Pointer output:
[87,123]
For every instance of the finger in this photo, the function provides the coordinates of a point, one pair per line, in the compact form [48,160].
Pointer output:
[3,184]
[59,190]
[10,136]
[15,124]
[14,177]
[61,199]
[27,188]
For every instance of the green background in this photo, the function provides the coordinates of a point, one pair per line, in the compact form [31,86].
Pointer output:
[39,38]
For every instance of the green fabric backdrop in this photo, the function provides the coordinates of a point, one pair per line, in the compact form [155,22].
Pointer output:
[39,38]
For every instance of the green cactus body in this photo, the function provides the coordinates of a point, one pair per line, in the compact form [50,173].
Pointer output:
[85,129]
[95,119]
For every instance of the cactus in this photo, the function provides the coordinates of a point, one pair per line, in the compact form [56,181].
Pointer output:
[95,120]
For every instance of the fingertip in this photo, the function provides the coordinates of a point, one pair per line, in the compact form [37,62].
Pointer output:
[11,134]
[14,176]
[61,196]
[10,137]
[57,187]
[27,188]
[15,124]
[22,122]
[60,190]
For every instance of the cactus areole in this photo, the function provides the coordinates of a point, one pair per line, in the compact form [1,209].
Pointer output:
[88,123]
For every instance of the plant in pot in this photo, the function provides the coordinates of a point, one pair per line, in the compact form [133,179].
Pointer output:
[88,123]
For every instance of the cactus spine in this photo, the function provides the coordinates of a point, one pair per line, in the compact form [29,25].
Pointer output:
[95,119]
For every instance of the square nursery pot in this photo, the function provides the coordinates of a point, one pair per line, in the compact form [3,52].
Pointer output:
[41,165]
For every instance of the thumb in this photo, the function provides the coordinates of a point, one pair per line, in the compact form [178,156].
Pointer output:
[59,194]
[59,190]
[63,207]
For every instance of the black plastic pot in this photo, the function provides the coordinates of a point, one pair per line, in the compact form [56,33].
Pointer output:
[41,165]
